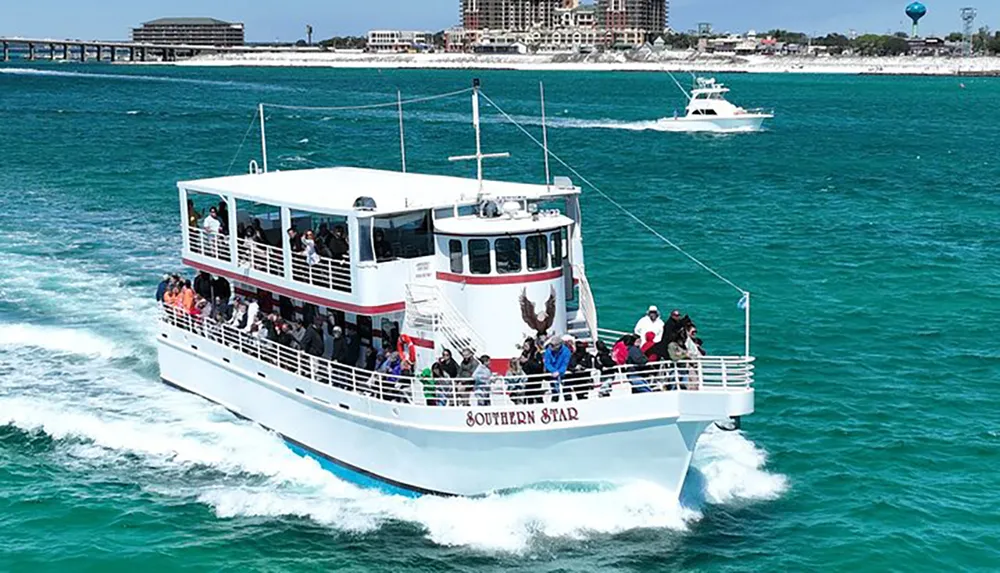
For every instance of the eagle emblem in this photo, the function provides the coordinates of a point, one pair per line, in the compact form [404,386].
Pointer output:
[539,322]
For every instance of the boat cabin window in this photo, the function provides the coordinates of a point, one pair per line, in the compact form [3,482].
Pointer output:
[444,213]
[467,210]
[365,251]
[536,248]
[403,236]
[508,253]
[557,250]
[479,256]
[455,255]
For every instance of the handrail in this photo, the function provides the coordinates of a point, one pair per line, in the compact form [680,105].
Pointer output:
[327,273]
[260,257]
[587,305]
[214,245]
[442,317]
[711,373]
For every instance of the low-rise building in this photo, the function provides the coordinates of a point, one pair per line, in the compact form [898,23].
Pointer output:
[399,40]
[191,31]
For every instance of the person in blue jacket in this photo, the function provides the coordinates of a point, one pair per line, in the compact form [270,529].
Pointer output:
[557,356]
[162,288]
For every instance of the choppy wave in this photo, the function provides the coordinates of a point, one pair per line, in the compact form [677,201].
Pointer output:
[55,339]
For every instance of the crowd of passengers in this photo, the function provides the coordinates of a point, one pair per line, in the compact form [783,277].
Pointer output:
[324,242]
[560,366]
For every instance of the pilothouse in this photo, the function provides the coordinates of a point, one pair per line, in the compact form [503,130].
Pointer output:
[429,334]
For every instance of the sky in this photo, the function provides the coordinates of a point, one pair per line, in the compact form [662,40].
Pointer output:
[270,20]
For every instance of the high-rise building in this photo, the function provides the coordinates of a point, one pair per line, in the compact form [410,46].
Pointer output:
[646,18]
[509,15]
[192,31]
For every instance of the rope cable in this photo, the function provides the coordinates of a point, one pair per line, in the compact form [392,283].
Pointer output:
[393,103]
[620,207]
[253,120]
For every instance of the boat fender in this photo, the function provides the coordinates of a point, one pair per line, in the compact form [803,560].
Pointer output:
[733,425]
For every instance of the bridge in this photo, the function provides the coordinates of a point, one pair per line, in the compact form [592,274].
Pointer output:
[112,51]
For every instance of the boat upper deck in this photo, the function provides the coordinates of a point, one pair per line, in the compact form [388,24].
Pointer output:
[334,190]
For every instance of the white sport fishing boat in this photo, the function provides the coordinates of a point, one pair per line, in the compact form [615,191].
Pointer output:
[708,110]
[433,263]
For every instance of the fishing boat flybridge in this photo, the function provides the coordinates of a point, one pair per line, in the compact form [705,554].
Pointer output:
[454,264]
[708,110]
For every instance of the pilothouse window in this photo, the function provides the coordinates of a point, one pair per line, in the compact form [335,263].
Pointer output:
[479,256]
[556,250]
[508,252]
[455,254]
[536,247]
[404,236]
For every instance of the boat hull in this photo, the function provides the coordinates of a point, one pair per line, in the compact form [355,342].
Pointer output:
[744,123]
[413,450]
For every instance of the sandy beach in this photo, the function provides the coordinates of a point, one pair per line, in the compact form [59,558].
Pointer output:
[681,61]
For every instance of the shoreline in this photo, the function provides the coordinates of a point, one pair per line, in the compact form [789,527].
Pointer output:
[611,62]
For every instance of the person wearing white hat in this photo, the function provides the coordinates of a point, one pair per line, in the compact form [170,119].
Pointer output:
[650,323]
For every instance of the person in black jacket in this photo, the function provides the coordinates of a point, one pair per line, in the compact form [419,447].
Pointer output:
[221,289]
[448,364]
[203,285]
[312,339]
[578,374]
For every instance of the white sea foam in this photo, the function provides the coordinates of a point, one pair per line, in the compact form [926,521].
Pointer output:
[56,339]
[178,432]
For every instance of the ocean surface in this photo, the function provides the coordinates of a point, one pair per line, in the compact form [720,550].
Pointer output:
[864,221]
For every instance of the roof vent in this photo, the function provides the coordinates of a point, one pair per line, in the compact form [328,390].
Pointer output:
[364,204]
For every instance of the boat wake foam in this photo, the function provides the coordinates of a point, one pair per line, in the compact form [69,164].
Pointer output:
[57,339]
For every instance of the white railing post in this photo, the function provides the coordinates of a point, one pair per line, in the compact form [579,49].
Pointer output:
[725,375]
[286,246]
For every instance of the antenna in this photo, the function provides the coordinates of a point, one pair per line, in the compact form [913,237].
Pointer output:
[968,20]
[545,136]
[479,156]
[263,136]
[402,141]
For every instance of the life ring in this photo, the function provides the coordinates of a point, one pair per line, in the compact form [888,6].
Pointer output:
[407,349]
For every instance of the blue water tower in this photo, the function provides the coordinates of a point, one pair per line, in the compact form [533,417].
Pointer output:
[915,11]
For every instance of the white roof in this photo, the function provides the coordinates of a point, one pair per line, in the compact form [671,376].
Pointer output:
[334,189]
[502,225]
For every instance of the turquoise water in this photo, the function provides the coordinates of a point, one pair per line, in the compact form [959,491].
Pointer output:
[864,221]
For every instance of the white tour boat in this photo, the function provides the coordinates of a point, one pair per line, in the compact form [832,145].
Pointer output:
[708,110]
[437,263]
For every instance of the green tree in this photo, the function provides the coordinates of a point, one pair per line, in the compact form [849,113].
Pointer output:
[680,41]
[994,44]
[954,37]
[981,40]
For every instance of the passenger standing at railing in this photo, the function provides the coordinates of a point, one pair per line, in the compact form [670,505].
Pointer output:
[203,285]
[448,364]
[581,365]
[161,289]
[294,240]
[482,378]
[312,338]
[223,214]
[637,360]
[187,297]
[193,215]
[650,323]
[309,248]
[337,243]
[222,289]
[516,381]
[212,225]
[557,357]
[677,350]
[465,372]
[531,363]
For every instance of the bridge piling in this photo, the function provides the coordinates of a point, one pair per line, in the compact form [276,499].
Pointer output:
[65,52]
[83,52]
[52,52]
[6,52]
[31,51]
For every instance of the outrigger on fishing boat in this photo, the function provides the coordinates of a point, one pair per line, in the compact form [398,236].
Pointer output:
[708,110]
[424,267]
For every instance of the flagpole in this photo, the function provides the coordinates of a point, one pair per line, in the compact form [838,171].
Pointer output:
[746,314]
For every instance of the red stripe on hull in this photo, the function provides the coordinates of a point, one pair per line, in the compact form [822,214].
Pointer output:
[499,279]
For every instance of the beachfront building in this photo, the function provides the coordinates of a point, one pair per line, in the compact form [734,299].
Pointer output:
[190,31]
[541,25]
[399,40]
[631,23]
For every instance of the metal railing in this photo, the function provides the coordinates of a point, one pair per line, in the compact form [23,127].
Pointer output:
[260,257]
[712,373]
[587,306]
[327,273]
[214,245]
[428,309]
